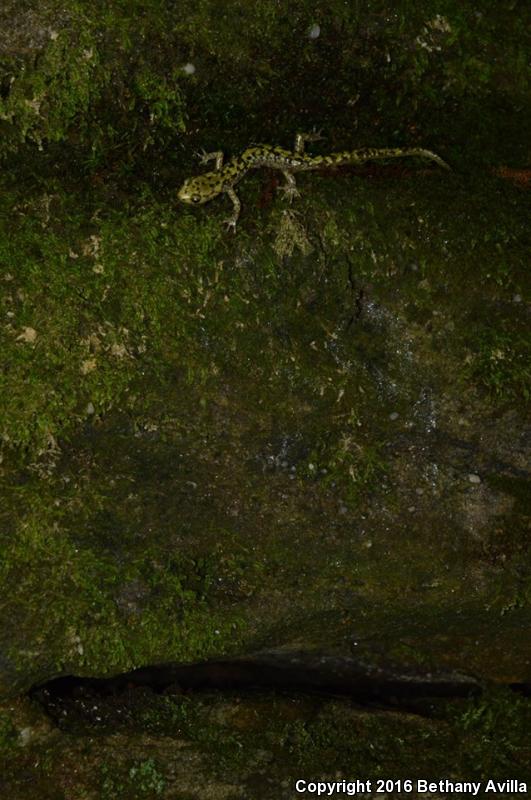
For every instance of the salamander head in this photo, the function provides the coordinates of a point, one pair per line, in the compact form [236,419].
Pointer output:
[201,189]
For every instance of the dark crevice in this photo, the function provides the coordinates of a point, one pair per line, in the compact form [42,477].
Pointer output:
[272,671]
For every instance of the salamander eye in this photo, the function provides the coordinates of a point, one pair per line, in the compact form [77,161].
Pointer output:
[196,198]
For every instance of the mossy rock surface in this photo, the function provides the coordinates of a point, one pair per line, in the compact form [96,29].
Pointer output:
[263,746]
[310,436]
[215,445]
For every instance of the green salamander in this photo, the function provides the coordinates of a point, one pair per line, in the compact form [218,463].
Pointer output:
[224,177]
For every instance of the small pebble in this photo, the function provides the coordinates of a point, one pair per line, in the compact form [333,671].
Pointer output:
[517,298]
[474,478]
[314,32]
[419,491]
[90,408]
[411,509]
[394,415]
[189,69]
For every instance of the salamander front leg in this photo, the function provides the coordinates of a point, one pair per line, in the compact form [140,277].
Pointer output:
[302,138]
[204,158]
[231,221]
[290,187]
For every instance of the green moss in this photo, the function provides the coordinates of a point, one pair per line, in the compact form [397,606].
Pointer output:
[145,743]
[85,86]
[493,729]
[8,735]
[95,85]
[54,579]
[483,740]
[501,360]
[43,103]
[141,779]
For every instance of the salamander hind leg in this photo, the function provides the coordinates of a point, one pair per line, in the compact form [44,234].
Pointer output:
[290,187]
[302,138]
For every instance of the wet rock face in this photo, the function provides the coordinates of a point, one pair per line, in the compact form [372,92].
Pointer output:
[253,744]
[338,495]
[309,439]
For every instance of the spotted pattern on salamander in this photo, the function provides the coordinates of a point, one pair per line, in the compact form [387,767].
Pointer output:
[224,177]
